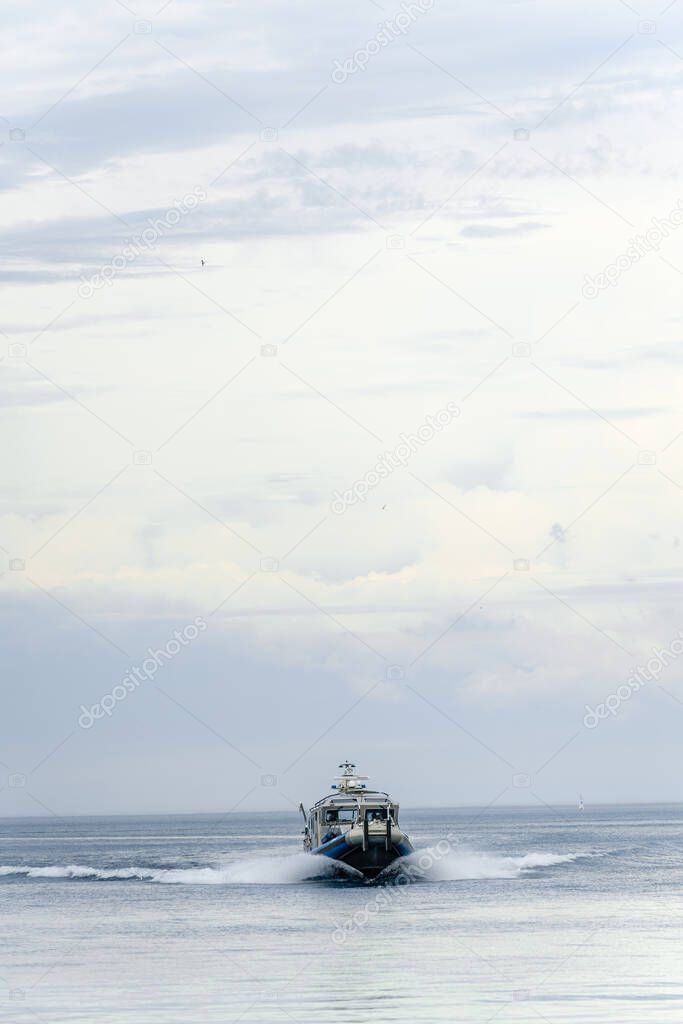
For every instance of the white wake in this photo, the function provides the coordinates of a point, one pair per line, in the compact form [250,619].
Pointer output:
[462,865]
[287,870]
[424,865]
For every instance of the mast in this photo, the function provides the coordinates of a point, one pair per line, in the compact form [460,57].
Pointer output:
[349,780]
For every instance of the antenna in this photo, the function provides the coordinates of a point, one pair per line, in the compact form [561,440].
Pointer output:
[349,779]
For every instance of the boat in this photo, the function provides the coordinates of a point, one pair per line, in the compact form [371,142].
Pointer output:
[355,825]
[581,805]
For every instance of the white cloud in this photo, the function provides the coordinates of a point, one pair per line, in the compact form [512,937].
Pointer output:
[395,247]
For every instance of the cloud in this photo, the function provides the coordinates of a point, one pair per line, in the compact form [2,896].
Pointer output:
[24,391]
[504,569]
[501,231]
[558,533]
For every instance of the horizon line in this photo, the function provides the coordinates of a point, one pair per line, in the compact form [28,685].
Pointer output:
[423,807]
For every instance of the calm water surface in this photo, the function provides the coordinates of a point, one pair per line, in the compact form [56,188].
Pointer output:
[533,915]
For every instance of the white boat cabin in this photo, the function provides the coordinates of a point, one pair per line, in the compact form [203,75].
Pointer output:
[353,805]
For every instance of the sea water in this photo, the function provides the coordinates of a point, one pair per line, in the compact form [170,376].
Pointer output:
[515,914]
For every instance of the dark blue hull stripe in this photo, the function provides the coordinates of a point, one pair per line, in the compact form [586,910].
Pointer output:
[338,848]
[335,848]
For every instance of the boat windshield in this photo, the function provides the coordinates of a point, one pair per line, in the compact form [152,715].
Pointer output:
[340,814]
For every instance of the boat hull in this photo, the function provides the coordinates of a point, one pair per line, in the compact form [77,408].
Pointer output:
[369,857]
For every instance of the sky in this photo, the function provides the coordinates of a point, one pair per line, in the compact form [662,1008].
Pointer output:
[341,367]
